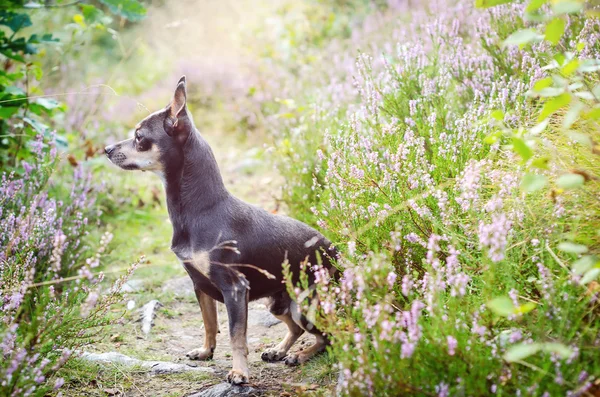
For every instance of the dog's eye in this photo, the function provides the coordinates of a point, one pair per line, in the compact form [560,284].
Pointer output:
[138,138]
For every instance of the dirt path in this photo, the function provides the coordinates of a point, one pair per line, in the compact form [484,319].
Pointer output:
[178,324]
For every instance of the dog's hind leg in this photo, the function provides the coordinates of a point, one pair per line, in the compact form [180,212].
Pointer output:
[208,306]
[236,301]
[280,308]
[321,342]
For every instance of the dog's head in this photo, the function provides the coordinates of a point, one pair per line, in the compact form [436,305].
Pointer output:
[158,138]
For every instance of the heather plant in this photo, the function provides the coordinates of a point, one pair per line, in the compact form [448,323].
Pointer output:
[51,299]
[459,276]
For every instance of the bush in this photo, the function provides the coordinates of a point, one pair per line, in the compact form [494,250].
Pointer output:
[457,277]
[51,300]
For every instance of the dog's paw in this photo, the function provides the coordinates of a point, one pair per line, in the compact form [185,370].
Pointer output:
[272,354]
[200,354]
[293,360]
[236,377]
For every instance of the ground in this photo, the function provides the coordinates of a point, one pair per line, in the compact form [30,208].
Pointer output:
[178,324]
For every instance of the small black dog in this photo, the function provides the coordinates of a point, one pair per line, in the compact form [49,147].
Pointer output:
[233,251]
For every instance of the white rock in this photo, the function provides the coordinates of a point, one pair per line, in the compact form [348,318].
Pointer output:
[155,367]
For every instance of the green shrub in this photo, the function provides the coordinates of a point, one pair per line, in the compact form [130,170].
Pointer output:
[461,273]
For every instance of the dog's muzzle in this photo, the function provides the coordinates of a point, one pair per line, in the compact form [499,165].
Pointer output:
[109,149]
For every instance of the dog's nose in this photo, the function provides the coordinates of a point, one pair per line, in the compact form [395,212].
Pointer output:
[108,150]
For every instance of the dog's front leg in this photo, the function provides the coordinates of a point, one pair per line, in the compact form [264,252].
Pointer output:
[208,306]
[236,302]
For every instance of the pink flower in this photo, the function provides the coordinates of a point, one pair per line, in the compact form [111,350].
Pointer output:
[452,343]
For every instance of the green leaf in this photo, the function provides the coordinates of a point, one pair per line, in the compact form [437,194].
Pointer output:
[554,104]
[585,95]
[48,103]
[590,275]
[543,83]
[570,181]
[521,148]
[522,37]
[61,141]
[7,112]
[584,264]
[521,351]
[551,92]
[572,115]
[533,182]
[570,67]
[554,30]
[593,114]
[567,7]
[493,137]
[502,306]
[525,308]
[40,128]
[93,15]
[498,114]
[14,21]
[563,351]
[490,3]
[596,91]
[589,65]
[567,246]
[132,10]
[534,5]
[541,163]
[540,127]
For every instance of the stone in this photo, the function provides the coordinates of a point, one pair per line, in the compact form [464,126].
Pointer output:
[135,285]
[155,367]
[180,286]
[263,318]
[227,390]
[148,313]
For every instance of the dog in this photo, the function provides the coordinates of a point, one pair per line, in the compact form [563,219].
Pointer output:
[233,251]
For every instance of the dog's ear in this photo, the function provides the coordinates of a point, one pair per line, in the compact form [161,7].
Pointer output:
[179,98]
[177,105]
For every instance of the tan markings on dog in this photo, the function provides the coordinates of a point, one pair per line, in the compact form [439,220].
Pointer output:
[148,160]
[208,306]
[201,262]
[209,315]
[294,332]
[239,349]
[318,347]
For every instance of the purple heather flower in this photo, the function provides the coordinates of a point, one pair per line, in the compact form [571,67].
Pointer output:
[452,343]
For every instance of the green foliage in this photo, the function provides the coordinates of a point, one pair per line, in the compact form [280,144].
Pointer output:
[129,9]
[490,3]
[388,182]
[24,111]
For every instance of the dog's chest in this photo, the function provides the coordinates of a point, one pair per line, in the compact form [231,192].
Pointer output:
[183,252]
